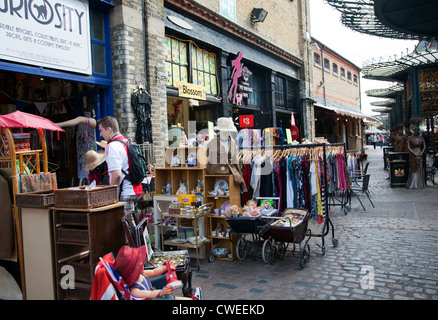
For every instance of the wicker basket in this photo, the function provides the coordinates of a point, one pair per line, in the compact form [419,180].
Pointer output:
[39,199]
[86,199]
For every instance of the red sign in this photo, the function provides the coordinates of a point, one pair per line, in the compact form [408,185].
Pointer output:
[246,121]
[294,132]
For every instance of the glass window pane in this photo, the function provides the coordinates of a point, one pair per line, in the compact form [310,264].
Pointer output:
[167,49]
[175,50]
[168,74]
[213,85]
[99,65]
[200,60]
[175,70]
[207,83]
[212,59]
[97,29]
[184,74]
[183,53]
[195,77]
[200,78]
[206,62]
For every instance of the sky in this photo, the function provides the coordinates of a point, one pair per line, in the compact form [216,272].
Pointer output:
[359,48]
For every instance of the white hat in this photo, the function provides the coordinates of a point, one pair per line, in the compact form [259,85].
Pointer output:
[94,158]
[225,124]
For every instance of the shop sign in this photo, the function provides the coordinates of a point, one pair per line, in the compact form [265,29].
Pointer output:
[191,91]
[246,121]
[239,90]
[47,33]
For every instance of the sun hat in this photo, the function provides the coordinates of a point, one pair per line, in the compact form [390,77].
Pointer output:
[102,143]
[130,262]
[225,124]
[94,158]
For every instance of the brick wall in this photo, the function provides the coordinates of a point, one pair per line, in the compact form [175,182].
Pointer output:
[127,50]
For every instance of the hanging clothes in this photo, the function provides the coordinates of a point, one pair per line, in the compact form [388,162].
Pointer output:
[141,101]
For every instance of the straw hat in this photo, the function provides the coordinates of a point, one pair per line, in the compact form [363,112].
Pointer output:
[94,158]
[225,124]
[130,262]
[102,143]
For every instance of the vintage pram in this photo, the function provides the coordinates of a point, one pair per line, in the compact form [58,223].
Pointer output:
[282,232]
[252,232]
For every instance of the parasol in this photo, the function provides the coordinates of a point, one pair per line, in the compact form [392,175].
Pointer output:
[20,119]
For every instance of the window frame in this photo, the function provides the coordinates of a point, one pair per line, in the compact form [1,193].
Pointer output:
[192,52]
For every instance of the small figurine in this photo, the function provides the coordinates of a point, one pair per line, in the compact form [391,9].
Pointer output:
[182,187]
[219,190]
[200,187]
[168,188]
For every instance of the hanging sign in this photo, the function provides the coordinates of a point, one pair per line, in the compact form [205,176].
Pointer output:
[49,33]
[191,91]
[246,121]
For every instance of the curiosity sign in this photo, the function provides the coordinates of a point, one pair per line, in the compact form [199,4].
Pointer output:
[48,33]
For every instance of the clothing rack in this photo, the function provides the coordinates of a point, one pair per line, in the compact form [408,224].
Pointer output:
[342,197]
[327,224]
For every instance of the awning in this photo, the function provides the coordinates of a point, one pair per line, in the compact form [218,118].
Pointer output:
[341,111]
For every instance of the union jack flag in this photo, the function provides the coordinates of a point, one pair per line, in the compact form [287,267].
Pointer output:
[117,281]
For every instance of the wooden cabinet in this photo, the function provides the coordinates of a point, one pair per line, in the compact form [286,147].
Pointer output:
[81,236]
[218,241]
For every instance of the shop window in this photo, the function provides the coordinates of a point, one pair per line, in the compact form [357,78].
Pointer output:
[258,84]
[286,93]
[99,41]
[188,63]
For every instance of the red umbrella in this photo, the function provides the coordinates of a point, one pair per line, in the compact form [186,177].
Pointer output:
[20,119]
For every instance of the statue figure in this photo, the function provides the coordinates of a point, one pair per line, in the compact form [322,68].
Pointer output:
[416,147]
[399,139]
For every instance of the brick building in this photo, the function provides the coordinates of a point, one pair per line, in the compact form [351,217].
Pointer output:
[336,90]
[197,42]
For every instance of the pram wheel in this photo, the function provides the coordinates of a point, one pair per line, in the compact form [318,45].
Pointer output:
[281,250]
[304,255]
[266,251]
[241,250]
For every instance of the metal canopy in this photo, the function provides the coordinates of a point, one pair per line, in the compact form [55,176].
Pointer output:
[416,17]
[395,19]
[382,103]
[382,110]
[385,92]
[424,54]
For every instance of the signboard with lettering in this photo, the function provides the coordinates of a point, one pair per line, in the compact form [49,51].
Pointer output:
[192,91]
[246,121]
[239,89]
[48,33]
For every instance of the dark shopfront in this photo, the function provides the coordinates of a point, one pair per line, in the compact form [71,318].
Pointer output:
[258,89]
[69,81]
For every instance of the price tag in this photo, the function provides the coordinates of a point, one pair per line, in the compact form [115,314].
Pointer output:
[246,121]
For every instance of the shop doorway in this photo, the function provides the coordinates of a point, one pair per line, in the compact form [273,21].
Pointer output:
[58,100]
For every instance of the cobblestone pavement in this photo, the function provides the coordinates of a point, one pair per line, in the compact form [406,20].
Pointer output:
[386,252]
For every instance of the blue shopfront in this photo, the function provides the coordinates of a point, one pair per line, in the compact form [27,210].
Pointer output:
[55,62]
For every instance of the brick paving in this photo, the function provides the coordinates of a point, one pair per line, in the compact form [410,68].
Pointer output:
[394,244]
